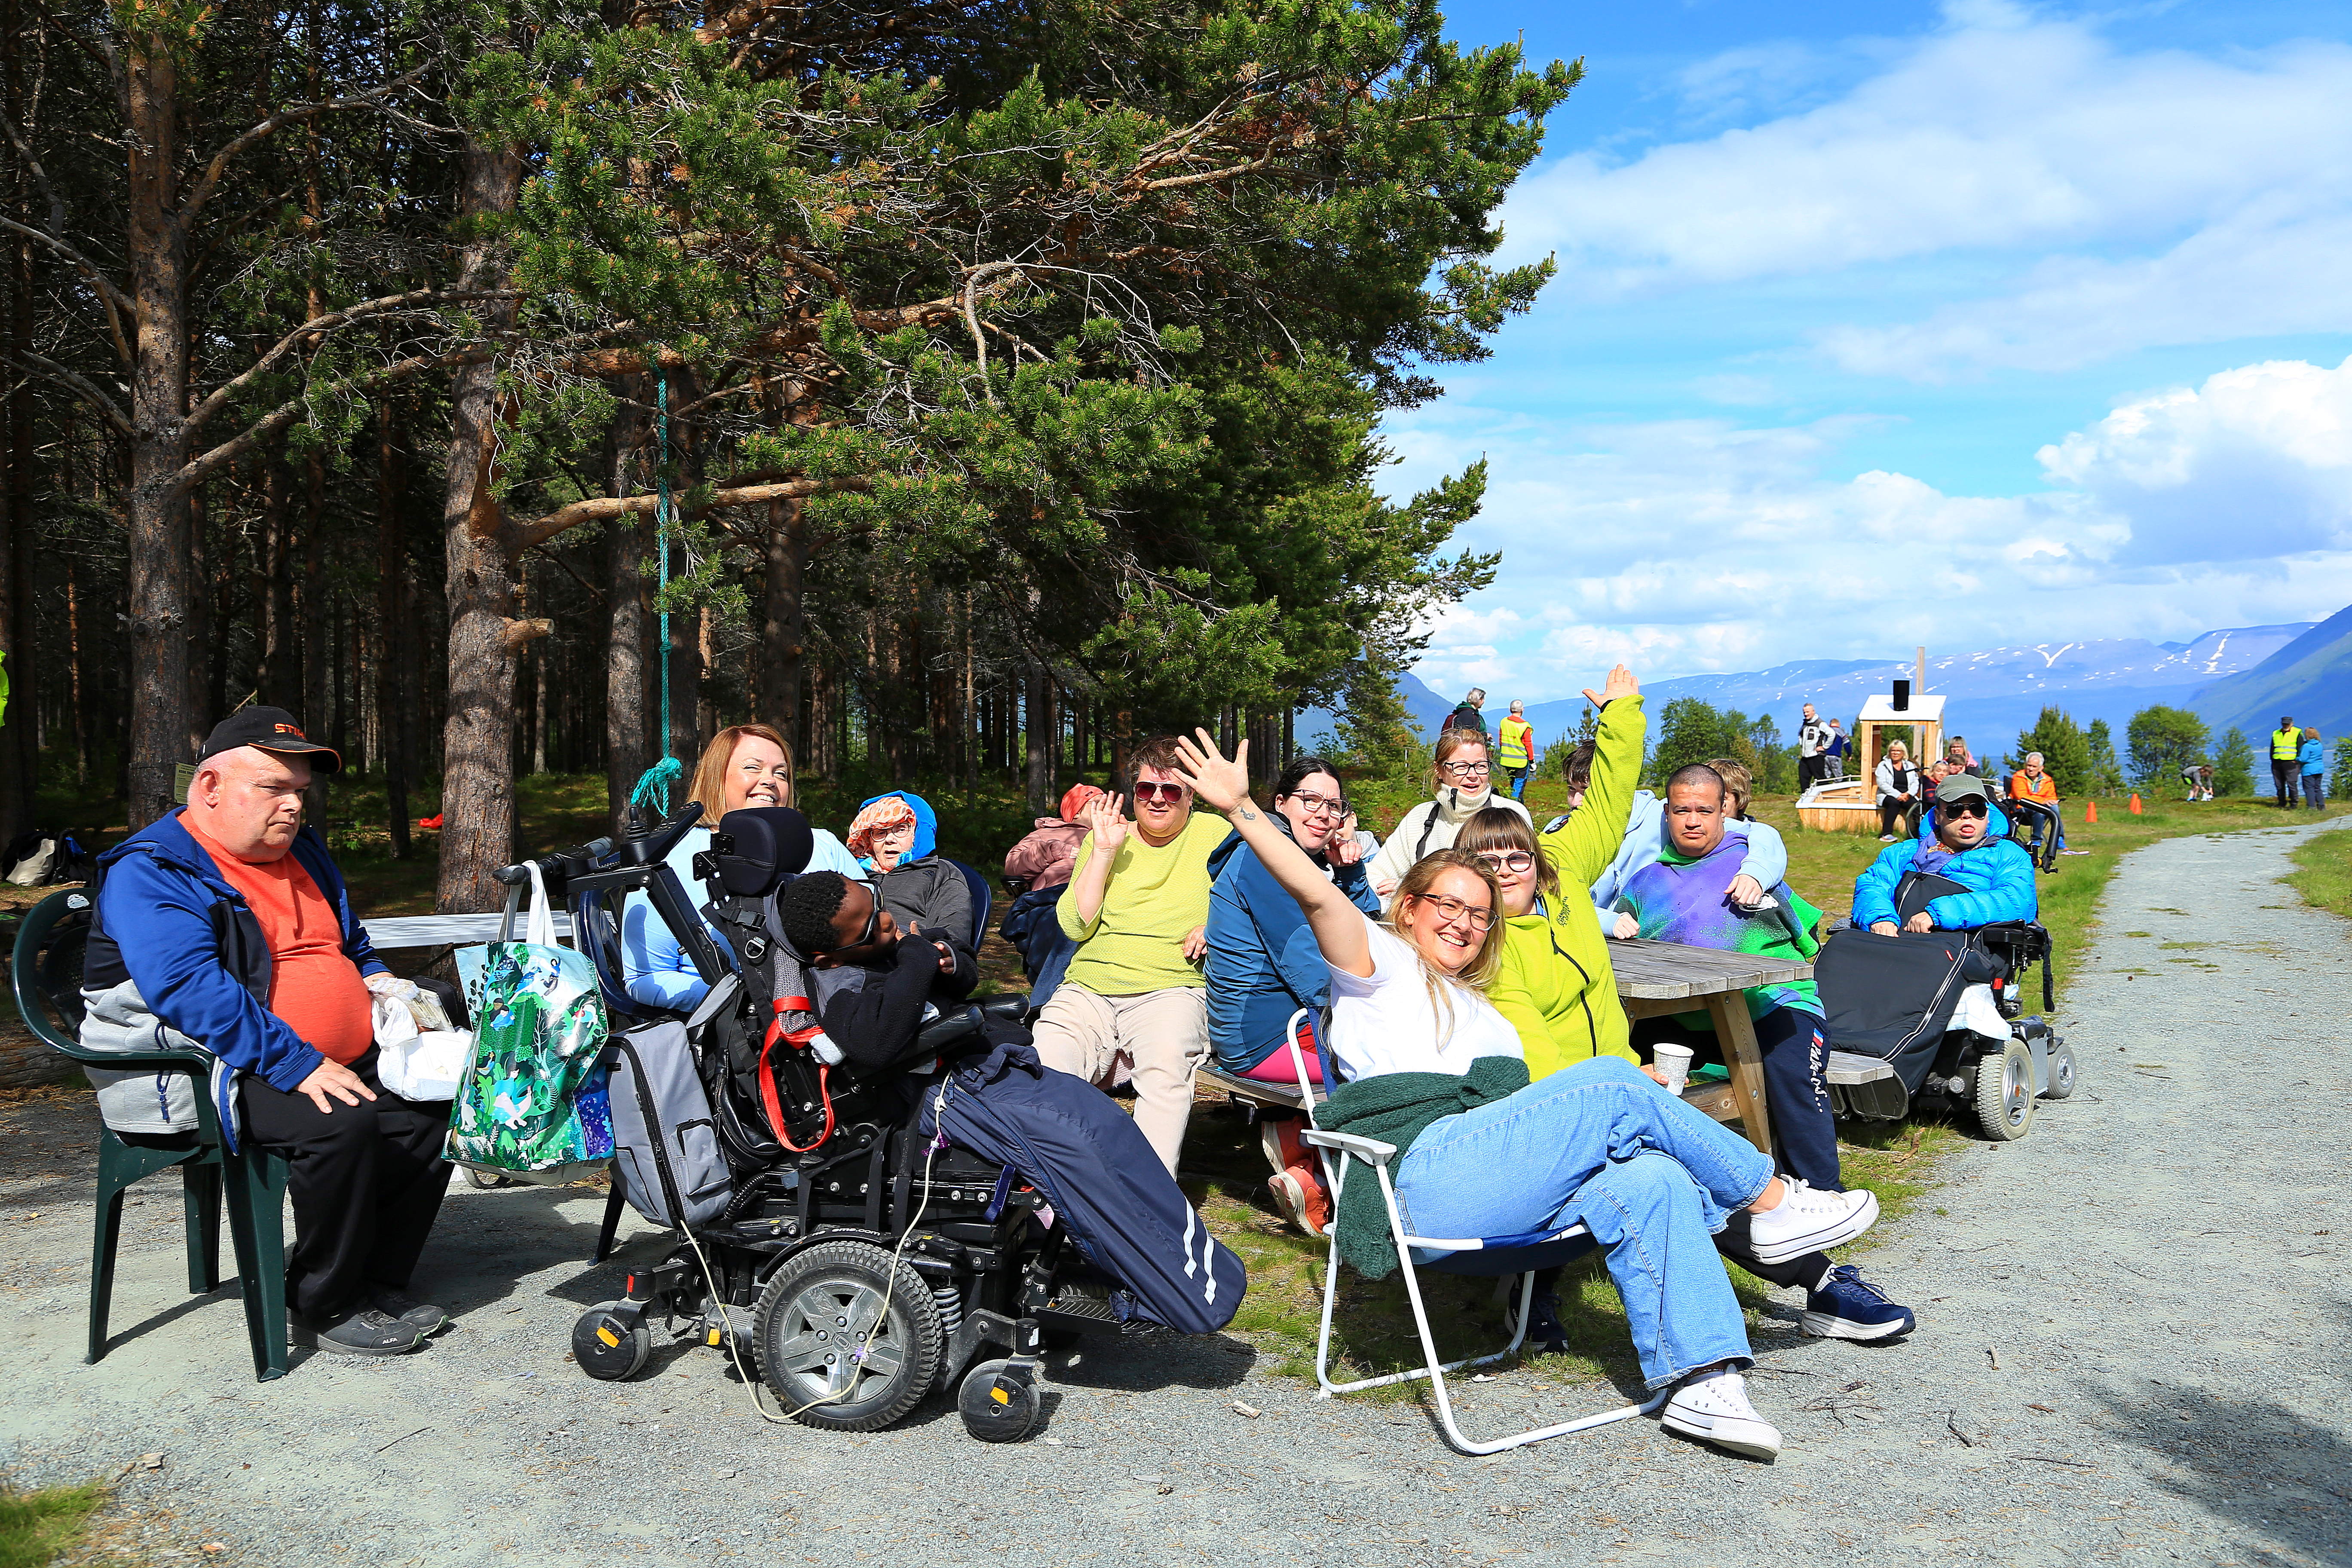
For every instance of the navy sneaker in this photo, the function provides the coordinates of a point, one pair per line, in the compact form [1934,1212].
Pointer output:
[1848,1307]
[1545,1334]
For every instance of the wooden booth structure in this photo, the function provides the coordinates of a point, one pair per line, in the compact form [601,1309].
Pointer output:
[1850,805]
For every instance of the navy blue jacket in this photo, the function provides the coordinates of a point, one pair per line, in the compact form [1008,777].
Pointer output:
[168,919]
[1262,964]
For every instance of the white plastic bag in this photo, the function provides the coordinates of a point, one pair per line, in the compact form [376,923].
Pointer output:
[420,1065]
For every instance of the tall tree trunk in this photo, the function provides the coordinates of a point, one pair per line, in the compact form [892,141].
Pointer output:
[311,616]
[783,628]
[1038,727]
[18,774]
[477,802]
[73,672]
[162,722]
[626,724]
[392,601]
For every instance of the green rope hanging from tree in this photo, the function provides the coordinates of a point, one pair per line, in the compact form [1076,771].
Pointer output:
[653,785]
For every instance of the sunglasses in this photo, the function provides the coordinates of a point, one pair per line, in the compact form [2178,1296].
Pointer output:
[1965,808]
[873,924]
[1174,793]
[1451,910]
[1516,860]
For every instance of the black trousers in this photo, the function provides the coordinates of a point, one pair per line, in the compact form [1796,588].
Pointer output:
[1796,1050]
[2284,777]
[1810,772]
[367,1182]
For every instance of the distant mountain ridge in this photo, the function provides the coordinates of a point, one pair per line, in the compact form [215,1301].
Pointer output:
[1992,695]
[2308,681]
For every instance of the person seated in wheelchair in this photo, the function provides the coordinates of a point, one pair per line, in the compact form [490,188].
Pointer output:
[1427,1063]
[2033,794]
[874,984]
[1964,840]
[896,839]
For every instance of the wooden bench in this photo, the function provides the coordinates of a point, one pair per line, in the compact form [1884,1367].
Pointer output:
[1659,979]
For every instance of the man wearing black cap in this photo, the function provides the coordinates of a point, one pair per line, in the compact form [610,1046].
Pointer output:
[1963,839]
[226,923]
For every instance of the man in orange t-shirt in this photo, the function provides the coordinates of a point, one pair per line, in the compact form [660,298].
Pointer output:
[228,921]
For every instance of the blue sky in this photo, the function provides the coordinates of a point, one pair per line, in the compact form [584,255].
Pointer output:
[1880,325]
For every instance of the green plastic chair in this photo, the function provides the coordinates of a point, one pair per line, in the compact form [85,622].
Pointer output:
[46,972]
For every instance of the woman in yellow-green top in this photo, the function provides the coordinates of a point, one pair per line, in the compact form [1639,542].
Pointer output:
[1556,985]
[1138,906]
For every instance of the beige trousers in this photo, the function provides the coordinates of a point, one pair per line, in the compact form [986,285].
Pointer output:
[1163,1035]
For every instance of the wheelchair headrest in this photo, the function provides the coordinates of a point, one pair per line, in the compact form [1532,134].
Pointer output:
[772,843]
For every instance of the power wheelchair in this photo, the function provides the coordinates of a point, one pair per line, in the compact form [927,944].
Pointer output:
[1942,1023]
[856,1266]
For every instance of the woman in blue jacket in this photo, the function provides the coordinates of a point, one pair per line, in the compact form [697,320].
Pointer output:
[2314,757]
[1262,964]
[1964,837]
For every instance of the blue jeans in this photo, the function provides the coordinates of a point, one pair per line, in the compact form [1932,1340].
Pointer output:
[1601,1143]
[1519,781]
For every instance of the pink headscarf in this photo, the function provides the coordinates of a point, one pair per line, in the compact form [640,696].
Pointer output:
[884,814]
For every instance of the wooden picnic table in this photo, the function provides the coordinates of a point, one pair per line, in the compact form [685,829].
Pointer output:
[1659,979]
[390,933]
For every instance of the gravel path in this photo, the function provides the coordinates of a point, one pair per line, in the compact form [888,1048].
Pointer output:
[2156,1271]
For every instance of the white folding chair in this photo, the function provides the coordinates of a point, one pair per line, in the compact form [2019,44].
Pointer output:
[1487,1257]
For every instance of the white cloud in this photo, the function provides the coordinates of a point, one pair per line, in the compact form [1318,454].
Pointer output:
[1698,545]
[2255,463]
[2207,197]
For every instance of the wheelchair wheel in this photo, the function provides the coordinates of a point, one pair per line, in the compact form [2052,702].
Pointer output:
[609,1346]
[2062,1070]
[848,1339]
[998,1401]
[2004,1091]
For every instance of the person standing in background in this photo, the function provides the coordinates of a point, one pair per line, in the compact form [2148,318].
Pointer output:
[1812,741]
[1515,747]
[1835,752]
[2286,762]
[2313,755]
[1467,716]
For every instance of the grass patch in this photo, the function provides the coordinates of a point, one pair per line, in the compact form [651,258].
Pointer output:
[2323,871]
[36,1527]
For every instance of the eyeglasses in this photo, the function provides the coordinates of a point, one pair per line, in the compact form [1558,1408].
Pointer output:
[1513,861]
[1174,793]
[1465,770]
[1964,808]
[1319,804]
[1451,909]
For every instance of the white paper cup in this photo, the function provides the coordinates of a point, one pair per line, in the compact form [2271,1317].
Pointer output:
[1674,1061]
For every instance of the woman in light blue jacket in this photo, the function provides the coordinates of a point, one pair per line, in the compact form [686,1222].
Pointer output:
[744,765]
[2314,757]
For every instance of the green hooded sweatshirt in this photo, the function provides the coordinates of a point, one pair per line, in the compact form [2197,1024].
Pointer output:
[1554,983]
[1397,1107]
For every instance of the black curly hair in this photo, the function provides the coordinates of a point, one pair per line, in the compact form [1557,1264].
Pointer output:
[806,908]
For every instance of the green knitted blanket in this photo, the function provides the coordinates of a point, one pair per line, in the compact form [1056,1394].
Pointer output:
[1397,1107]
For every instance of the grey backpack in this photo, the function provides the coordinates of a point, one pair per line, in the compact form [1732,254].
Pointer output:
[666,1151]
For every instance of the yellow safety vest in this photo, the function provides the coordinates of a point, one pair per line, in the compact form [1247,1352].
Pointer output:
[2286,745]
[1514,736]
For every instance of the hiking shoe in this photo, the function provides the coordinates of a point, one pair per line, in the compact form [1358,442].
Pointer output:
[1299,1193]
[1712,1408]
[1846,1306]
[1545,1336]
[1809,1220]
[423,1316]
[1886,838]
[368,1331]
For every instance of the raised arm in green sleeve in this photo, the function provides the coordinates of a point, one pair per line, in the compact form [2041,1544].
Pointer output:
[1582,849]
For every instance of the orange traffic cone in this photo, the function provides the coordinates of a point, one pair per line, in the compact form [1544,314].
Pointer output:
[2090,812]
[2135,803]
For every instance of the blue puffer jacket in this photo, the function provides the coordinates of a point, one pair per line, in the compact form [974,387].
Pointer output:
[1997,873]
[2314,756]
[1262,964]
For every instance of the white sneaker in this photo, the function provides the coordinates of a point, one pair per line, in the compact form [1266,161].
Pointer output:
[1810,1221]
[1712,1408]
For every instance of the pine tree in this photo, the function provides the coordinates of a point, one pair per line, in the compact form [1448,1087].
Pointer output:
[2106,773]
[2234,765]
[2065,751]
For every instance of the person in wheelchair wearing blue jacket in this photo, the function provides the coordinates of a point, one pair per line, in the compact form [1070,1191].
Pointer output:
[1964,839]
